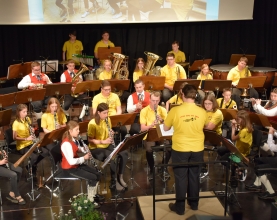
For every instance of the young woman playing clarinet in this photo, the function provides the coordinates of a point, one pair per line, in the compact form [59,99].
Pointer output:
[23,134]
[73,164]
[8,170]
[101,144]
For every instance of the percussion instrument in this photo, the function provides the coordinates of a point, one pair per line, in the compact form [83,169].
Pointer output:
[88,60]
[183,64]
[220,71]
[63,62]
[264,71]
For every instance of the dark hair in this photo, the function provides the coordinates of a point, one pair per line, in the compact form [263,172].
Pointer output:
[227,90]
[60,112]
[105,32]
[19,108]
[169,54]
[139,60]
[105,83]
[176,42]
[69,126]
[100,108]
[245,120]
[189,91]
[138,81]
[211,98]
[181,88]
[73,32]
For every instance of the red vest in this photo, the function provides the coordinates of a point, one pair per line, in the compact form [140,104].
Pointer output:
[68,78]
[35,80]
[65,164]
[144,103]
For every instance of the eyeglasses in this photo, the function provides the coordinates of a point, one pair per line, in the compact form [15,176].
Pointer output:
[106,90]
[169,59]
[207,103]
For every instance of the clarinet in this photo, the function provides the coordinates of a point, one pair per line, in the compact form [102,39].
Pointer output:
[32,134]
[156,114]
[110,132]
[4,155]
[92,160]
[55,120]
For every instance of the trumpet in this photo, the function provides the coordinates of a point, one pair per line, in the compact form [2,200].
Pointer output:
[110,132]
[4,155]
[92,160]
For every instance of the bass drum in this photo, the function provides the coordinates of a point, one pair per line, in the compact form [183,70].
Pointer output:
[220,71]
[264,71]
[98,71]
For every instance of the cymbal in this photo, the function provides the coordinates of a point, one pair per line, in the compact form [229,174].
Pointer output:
[63,62]
[183,64]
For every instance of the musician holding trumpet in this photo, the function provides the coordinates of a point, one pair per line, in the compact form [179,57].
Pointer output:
[35,80]
[101,144]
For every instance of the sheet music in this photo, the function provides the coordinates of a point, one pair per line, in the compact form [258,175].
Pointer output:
[166,133]
[107,160]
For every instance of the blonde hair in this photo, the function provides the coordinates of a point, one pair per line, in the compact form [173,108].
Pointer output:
[69,126]
[60,112]
[19,108]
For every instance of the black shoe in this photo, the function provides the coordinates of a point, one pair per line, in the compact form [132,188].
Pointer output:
[267,195]
[253,187]
[98,198]
[192,206]
[173,209]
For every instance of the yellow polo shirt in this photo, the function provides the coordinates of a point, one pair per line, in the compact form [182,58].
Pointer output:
[102,44]
[216,118]
[105,75]
[170,73]
[98,132]
[112,100]
[179,56]
[188,121]
[72,48]
[244,142]
[231,103]
[137,74]
[234,75]
[22,130]
[203,77]
[174,100]
[48,121]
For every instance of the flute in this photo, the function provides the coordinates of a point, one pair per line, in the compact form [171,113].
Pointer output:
[249,100]
[92,160]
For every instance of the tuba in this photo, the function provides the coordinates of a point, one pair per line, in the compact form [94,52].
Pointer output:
[83,68]
[246,72]
[151,60]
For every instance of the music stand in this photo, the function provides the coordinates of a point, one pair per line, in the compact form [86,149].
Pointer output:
[229,114]
[49,66]
[119,84]
[216,85]
[254,81]
[234,59]
[19,70]
[153,82]
[7,99]
[198,63]
[57,89]
[259,119]
[124,119]
[104,53]
[178,83]
[86,86]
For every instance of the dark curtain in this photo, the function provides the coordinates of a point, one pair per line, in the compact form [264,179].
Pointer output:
[216,40]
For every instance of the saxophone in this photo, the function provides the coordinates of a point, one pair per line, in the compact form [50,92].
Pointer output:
[92,160]
[110,132]
[4,155]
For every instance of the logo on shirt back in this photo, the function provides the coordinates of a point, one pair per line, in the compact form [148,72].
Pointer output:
[188,118]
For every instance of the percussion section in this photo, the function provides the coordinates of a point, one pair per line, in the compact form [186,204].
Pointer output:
[220,71]
[264,71]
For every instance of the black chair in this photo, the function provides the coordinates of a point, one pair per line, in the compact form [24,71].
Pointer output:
[58,173]
[8,134]
[256,143]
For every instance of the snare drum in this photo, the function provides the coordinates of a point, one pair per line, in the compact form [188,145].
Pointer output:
[220,71]
[264,71]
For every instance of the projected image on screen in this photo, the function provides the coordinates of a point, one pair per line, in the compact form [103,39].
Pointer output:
[119,11]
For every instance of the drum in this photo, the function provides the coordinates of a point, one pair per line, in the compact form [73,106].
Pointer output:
[264,71]
[220,71]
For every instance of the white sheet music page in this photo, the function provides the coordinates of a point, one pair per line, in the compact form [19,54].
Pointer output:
[166,133]
[107,160]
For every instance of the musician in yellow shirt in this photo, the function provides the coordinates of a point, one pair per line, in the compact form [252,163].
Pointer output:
[203,75]
[176,99]
[172,72]
[188,121]
[226,102]
[179,55]
[72,46]
[104,42]
[139,69]
[107,73]
[150,116]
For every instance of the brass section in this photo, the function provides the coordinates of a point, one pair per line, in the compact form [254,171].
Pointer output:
[150,63]
[83,68]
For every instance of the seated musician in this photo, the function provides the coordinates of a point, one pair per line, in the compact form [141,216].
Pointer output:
[264,163]
[101,144]
[269,109]
[240,71]
[107,73]
[176,99]
[104,42]
[179,55]
[8,170]
[150,116]
[243,139]
[32,81]
[74,165]
[112,101]
[214,115]
[22,134]
[203,75]
[172,72]
[53,118]
[226,102]
[136,102]
[68,77]
[139,69]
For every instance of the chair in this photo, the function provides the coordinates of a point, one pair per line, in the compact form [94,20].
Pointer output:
[256,143]
[8,134]
[58,173]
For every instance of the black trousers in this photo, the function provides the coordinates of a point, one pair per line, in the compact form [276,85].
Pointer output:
[85,172]
[68,100]
[264,162]
[102,153]
[35,156]
[186,178]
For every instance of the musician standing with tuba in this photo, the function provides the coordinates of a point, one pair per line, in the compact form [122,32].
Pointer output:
[35,80]
[188,121]
[172,72]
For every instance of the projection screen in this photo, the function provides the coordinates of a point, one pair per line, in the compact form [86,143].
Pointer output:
[120,11]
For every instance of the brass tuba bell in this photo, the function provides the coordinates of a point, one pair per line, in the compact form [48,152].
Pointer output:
[151,60]
[83,68]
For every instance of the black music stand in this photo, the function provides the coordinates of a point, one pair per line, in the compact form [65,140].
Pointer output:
[216,85]
[19,70]
[234,59]
[178,83]
[153,82]
[124,119]
[104,53]
[119,84]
